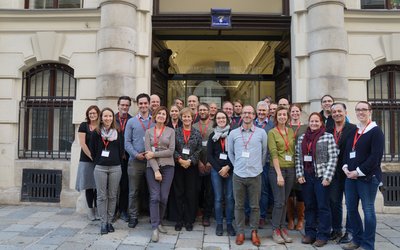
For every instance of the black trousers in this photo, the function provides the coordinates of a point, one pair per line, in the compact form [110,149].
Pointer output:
[123,199]
[206,195]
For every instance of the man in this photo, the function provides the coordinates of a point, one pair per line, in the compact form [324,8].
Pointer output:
[213,110]
[326,103]
[205,126]
[341,132]
[272,109]
[122,117]
[237,111]
[193,103]
[268,100]
[179,103]
[154,102]
[134,145]
[227,107]
[284,103]
[266,124]
[247,150]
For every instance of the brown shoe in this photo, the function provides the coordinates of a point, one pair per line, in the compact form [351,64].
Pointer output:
[300,216]
[320,243]
[307,240]
[239,239]
[254,238]
[290,213]
[261,223]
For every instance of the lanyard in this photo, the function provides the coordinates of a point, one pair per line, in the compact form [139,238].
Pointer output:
[246,143]
[157,137]
[356,136]
[186,138]
[222,142]
[297,129]
[309,147]
[122,123]
[205,129]
[105,142]
[285,139]
[141,123]
[234,121]
[337,135]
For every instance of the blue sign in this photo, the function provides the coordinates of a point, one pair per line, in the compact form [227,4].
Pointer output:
[221,18]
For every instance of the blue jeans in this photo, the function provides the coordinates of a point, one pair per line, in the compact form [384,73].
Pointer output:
[336,201]
[364,190]
[317,210]
[222,185]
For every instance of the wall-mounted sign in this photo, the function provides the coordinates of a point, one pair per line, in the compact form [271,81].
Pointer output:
[221,19]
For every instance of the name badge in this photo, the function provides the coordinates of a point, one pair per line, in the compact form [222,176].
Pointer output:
[246,154]
[105,153]
[204,143]
[308,158]
[186,151]
[352,154]
[223,156]
[288,158]
[153,149]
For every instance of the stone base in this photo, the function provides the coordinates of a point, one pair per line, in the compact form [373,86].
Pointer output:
[68,198]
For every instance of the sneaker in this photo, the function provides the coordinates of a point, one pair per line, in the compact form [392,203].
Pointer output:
[219,231]
[350,246]
[285,236]
[346,238]
[230,229]
[132,222]
[91,213]
[320,243]
[277,237]
[307,240]
[154,235]
[162,229]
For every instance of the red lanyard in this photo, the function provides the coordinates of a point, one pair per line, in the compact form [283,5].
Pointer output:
[105,142]
[186,138]
[122,123]
[285,139]
[245,143]
[336,135]
[205,129]
[222,142]
[234,121]
[297,129]
[141,123]
[309,147]
[157,137]
[356,136]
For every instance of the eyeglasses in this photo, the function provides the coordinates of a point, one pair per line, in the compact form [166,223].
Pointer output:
[362,110]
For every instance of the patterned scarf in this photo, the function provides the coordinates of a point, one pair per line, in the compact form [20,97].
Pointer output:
[220,132]
[110,135]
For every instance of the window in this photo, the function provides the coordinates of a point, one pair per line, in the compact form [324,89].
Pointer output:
[384,95]
[380,4]
[46,129]
[52,4]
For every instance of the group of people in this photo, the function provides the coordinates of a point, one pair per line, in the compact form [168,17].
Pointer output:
[240,159]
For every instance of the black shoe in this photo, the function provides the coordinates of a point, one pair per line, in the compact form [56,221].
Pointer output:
[334,235]
[189,227]
[231,231]
[103,229]
[132,222]
[178,226]
[346,238]
[110,228]
[124,216]
[219,231]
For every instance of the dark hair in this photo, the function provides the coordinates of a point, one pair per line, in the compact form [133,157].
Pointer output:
[179,99]
[155,112]
[267,97]
[204,104]
[369,105]
[327,95]
[238,101]
[90,108]
[124,97]
[143,95]
[100,121]
[339,103]
[279,108]
[319,116]
[228,122]
[298,105]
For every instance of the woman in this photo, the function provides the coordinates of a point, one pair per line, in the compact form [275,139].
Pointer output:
[107,149]
[316,156]
[221,173]
[174,122]
[187,153]
[85,178]
[282,174]
[362,167]
[296,195]
[160,145]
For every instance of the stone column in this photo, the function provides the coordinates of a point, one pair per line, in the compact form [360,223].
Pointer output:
[116,48]
[327,50]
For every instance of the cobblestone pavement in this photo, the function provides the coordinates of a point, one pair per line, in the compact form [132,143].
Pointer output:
[40,227]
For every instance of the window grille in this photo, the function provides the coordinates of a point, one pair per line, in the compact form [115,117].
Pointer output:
[41,185]
[391,188]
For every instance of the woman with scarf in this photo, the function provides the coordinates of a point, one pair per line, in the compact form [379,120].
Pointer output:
[221,173]
[107,149]
[316,156]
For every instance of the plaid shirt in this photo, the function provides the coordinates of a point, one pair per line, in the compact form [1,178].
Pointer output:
[326,157]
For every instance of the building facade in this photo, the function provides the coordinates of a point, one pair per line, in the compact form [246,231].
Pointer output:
[58,57]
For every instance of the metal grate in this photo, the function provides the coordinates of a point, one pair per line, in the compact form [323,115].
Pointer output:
[41,185]
[391,188]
